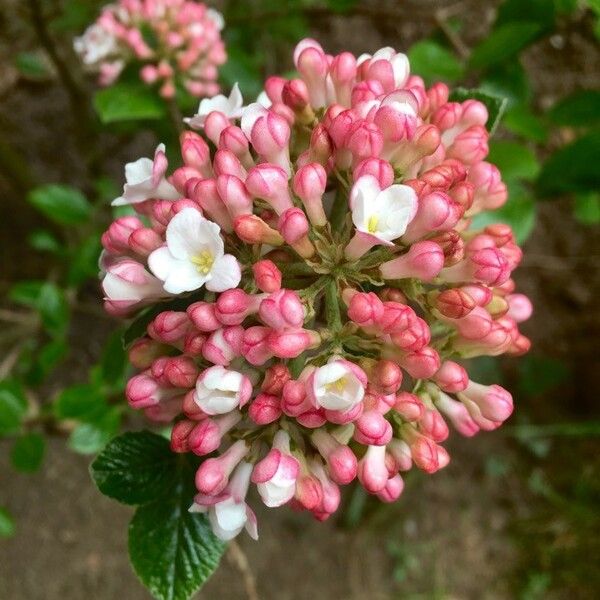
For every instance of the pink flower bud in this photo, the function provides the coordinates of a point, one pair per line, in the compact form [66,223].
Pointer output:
[520,307]
[253,230]
[227,163]
[281,310]
[372,429]
[421,364]
[294,400]
[265,409]
[458,415]
[311,62]
[392,490]
[341,461]
[233,306]
[396,317]
[409,406]
[386,377]
[116,238]
[143,351]
[234,195]
[372,472]
[399,450]
[203,316]
[424,260]
[267,276]
[494,402]
[195,152]
[223,345]
[181,371]
[376,167]
[295,95]
[451,377]
[233,139]
[255,347]
[426,454]
[169,326]
[213,474]
[207,435]
[452,246]
[343,73]
[205,193]
[365,309]
[143,391]
[432,425]
[180,435]
[144,241]
[270,136]
[293,226]
[490,192]
[309,185]
[309,491]
[436,212]
[193,342]
[454,303]
[214,125]
[292,343]
[275,379]
[270,183]
[487,265]
[470,146]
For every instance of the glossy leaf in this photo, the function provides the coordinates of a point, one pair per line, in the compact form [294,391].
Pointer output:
[28,452]
[62,204]
[514,159]
[495,105]
[173,551]
[434,62]
[128,102]
[136,468]
[503,43]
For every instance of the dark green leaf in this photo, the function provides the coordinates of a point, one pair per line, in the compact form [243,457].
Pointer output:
[7,524]
[84,261]
[581,109]
[128,101]
[83,402]
[572,168]
[518,212]
[587,208]
[47,359]
[241,68]
[44,241]
[503,43]
[514,159]
[494,104]
[28,452]
[26,292]
[540,11]
[31,65]
[13,406]
[522,121]
[136,468]
[173,551]
[54,309]
[434,62]
[114,363]
[62,204]
[91,437]
[509,81]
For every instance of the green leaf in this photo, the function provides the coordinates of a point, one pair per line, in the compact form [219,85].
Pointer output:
[28,452]
[509,81]
[83,402]
[62,204]
[7,524]
[113,363]
[518,212]
[539,374]
[47,359]
[31,65]
[495,104]
[572,168]
[128,101]
[521,121]
[54,309]
[434,62]
[91,437]
[540,11]
[243,69]
[173,551]
[587,208]
[44,241]
[84,261]
[26,292]
[581,109]
[136,468]
[514,159]
[13,406]
[503,43]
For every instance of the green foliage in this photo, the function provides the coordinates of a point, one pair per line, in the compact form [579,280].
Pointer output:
[495,105]
[31,65]
[581,109]
[13,406]
[172,550]
[28,452]
[127,101]
[434,62]
[514,159]
[62,204]
[92,436]
[7,524]
[587,208]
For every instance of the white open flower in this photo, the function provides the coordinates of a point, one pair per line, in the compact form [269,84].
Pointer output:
[220,390]
[382,214]
[194,256]
[95,44]
[230,106]
[146,179]
[336,386]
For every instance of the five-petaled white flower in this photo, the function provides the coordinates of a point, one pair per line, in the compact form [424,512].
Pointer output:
[385,214]
[194,256]
[95,44]
[338,385]
[146,179]
[230,106]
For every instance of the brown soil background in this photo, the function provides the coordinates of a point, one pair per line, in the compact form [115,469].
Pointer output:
[461,534]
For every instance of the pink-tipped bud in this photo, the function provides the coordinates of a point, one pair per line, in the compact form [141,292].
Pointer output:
[205,193]
[267,276]
[414,337]
[265,409]
[292,343]
[386,377]
[116,238]
[169,326]
[233,306]
[270,183]
[253,230]
[424,260]
[470,146]
[376,167]
[371,428]
[372,471]
[254,345]
[392,490]
[519,307]
[195,152]
[451,377]
[227,163]
[281,310]
[487,265]
[294,227]
[365,309]
[203,316]
[432,425]
[142,391]
[421,364]
[213,474]
[493,401]
[234,195]
[309,185]
[223,345]
[180,435]
[409,406]
[181,371]
[275,379]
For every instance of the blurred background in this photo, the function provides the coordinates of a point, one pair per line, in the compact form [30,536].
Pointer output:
[516,514]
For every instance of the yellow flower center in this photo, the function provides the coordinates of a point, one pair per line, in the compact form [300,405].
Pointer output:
[372,223]
[204,262]
[337,386]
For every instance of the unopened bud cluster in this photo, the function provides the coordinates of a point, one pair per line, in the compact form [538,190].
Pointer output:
[324,283]
[171,42]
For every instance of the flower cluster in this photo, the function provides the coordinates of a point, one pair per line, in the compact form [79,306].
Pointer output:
[322,282]
[175,41]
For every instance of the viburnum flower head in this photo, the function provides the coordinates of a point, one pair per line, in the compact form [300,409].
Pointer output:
[173,42]
[317,283]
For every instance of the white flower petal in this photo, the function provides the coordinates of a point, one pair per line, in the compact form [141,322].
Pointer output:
[225,274]
[184,234]
[185,277]
[162,262]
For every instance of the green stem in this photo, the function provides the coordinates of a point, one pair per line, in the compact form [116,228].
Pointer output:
[332,306]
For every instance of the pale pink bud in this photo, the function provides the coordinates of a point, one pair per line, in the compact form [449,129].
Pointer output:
[311,62]
[343,73]
[364,91]
[207,435]
[470,146]
[293,226]
[292,343]
[116,238]
[270,136]
[213,474]
[436,212]
[424,260]
[181,371]
[494,402]
[294,400]
[432,425]
[203,316]
[265,409]
[193,342]
[270,183]
[365,309]
[447,116]
[223,345]
[386,377]
[281,310]
[227,163]
[267,276]
[458,415]
[409,406]
[195,152]
[255,347]
[451,377]
[182,175]
[234,195]
[143,391]
[487,265]
[392,490]
[309,491]
[233,139]
[490,192]
[371,428]
[519,307]
[214,125]
[372,472]
[331,493]
[364,139]
[309,185]
[341,461]
[421,364]
[144,241]
[169,326]
[205,193]
[399,450]
[233,306]
[378,168]
[253,230]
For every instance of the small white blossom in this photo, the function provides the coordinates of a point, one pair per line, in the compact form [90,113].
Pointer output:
[230,106]
[95,44]
[336,386]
